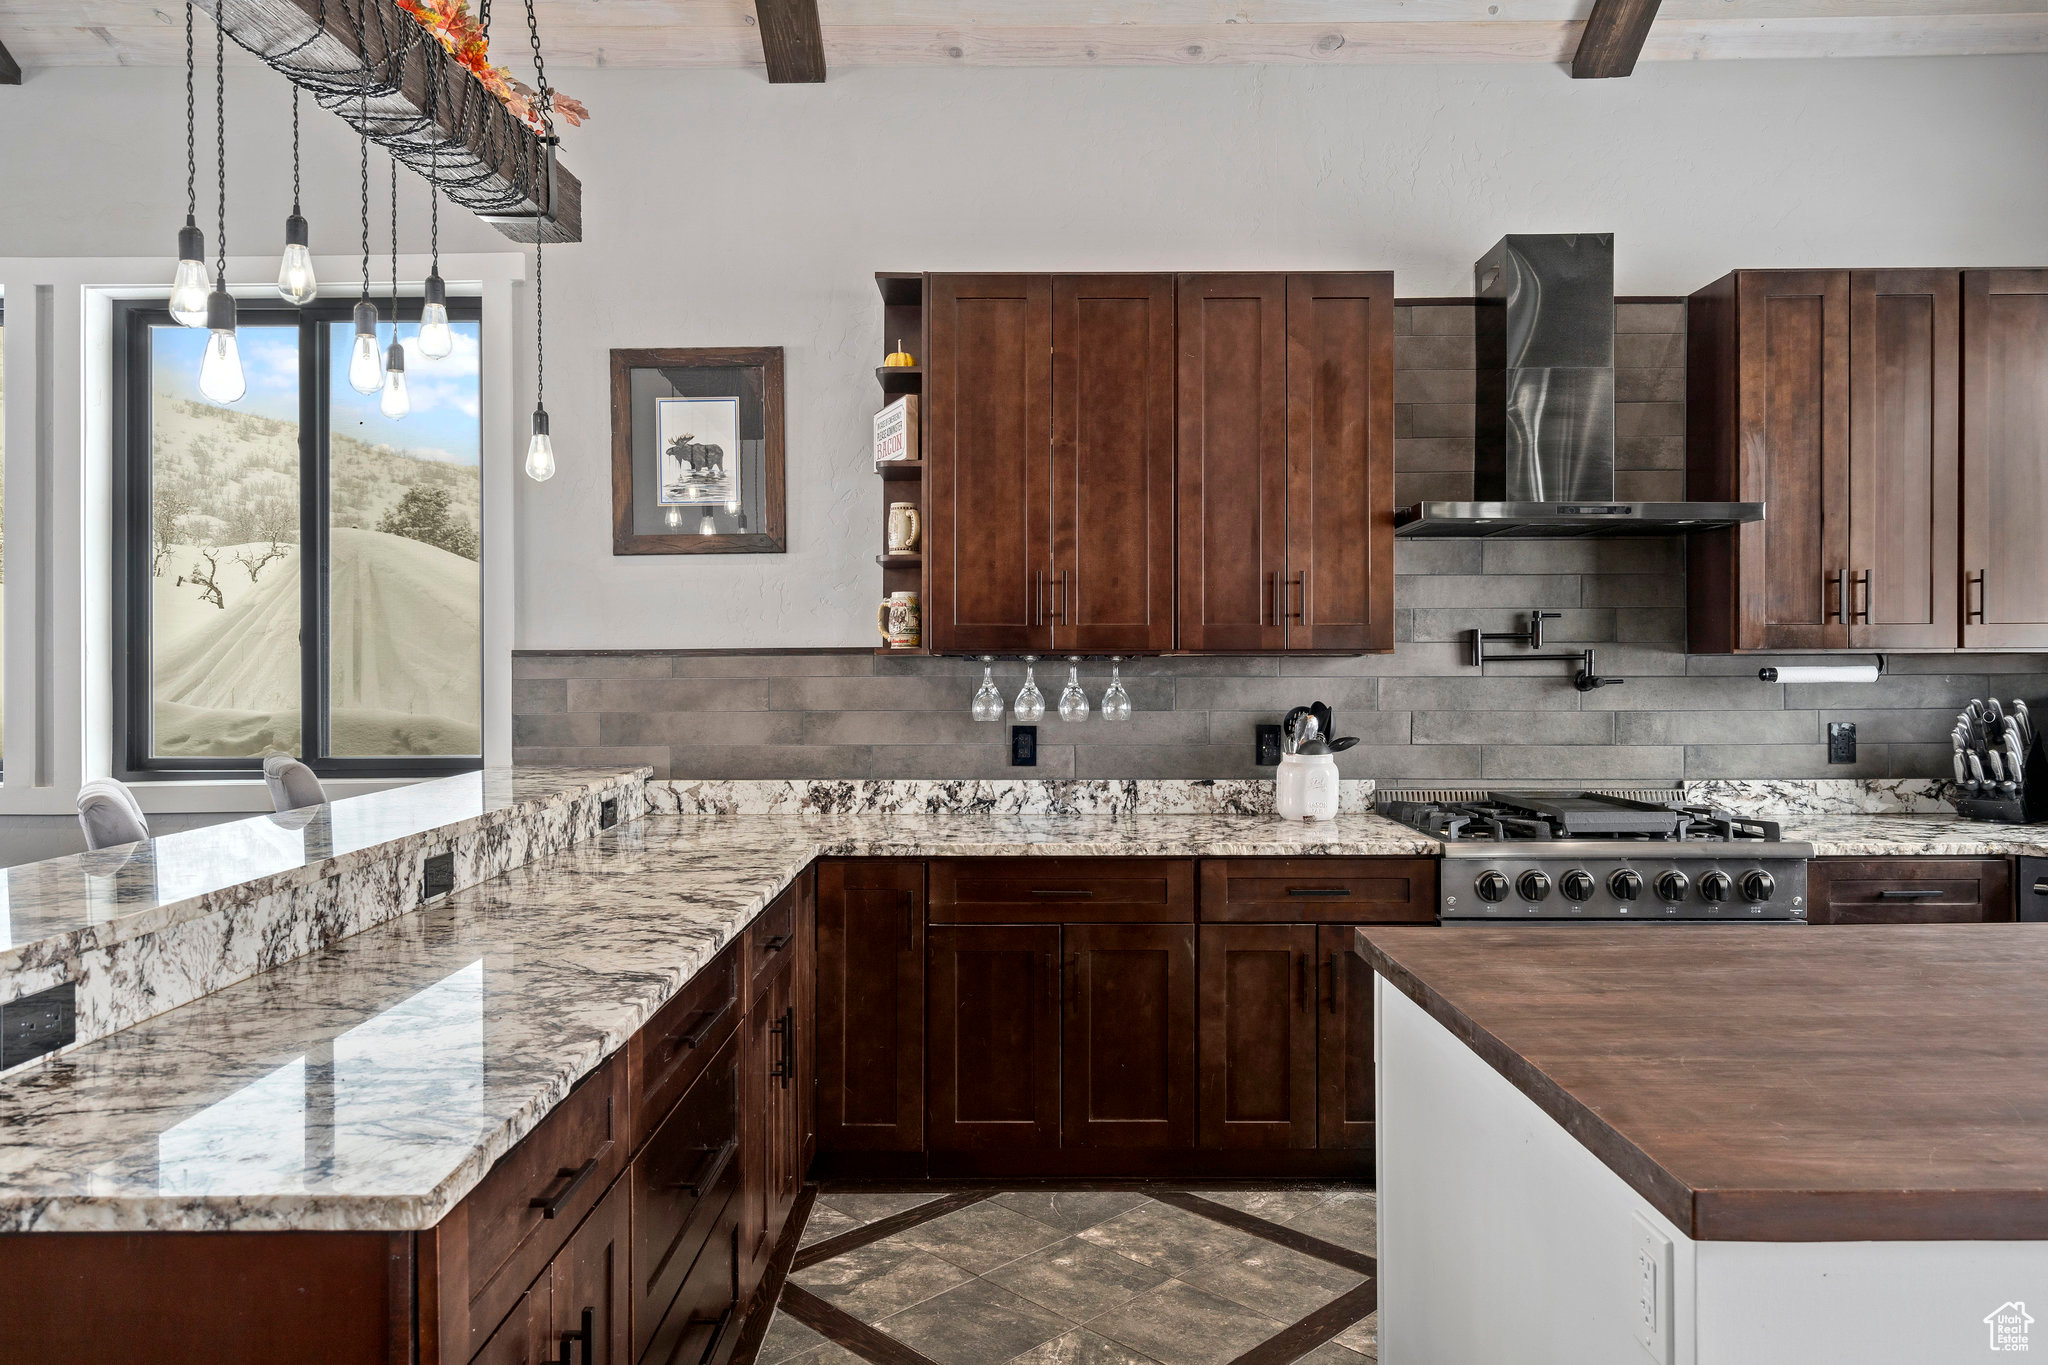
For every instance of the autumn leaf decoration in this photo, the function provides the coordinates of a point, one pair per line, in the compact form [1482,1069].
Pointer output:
[459,34]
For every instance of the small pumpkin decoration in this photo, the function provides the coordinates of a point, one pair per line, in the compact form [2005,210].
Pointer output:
[900,359]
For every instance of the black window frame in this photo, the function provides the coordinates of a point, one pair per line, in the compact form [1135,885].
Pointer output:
[131,490]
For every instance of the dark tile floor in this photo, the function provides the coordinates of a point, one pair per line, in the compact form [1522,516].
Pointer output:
[1082,1277]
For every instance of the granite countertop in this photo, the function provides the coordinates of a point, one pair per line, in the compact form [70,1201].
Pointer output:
[1908,835]
[371,1085]
[1819,1084]
[61,907]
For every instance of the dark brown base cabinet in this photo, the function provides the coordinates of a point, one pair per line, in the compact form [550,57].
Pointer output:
[1909,891]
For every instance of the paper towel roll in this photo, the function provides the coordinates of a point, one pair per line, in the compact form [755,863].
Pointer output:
[1820,673]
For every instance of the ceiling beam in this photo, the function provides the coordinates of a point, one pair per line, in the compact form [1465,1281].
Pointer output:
[10,70]
[791,41]
[1613,38]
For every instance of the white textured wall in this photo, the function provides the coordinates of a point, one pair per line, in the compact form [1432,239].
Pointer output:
[721,211]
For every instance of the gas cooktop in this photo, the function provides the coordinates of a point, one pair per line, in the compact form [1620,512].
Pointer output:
[1501,817]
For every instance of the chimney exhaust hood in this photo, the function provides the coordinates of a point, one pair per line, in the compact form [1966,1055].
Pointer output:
[1545,394]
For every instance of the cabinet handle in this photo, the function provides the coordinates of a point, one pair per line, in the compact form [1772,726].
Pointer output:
[1334,979]
[1059,597]
[694,1039]
[1318,890]
[1977,613]
[1056,893]
[784,1063]
[777,943]
[587,1334]
[552,1208]
[1038,597]
[1835,583]
[1279,598]
[1908,895]
[1863,612]
[1301,583]
[709,1170]
[910,927]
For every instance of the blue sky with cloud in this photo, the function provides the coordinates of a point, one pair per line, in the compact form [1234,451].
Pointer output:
[442,425]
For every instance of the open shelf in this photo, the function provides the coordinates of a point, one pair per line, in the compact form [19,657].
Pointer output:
[900,378]
[893,470]
[900,562]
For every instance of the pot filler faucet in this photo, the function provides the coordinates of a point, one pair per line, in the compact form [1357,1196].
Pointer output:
[1586,680]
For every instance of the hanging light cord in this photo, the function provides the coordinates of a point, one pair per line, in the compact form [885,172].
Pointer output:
[191,148]
[364,159]
[539,351]
[295,151]
[220,147]
[394,251]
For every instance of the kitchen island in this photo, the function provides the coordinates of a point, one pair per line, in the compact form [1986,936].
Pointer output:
[1709,1146]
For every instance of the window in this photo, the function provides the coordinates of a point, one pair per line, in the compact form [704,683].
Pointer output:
[296,572]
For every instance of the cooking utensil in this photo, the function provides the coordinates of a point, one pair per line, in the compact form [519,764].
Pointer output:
[1324,725]
[1288,737]
[1338,746]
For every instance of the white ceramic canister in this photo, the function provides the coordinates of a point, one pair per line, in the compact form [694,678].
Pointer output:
[1306,787]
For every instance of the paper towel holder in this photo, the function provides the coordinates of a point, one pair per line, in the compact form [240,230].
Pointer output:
[1825,672]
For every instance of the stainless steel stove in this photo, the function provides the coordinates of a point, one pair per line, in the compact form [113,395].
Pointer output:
[1560,856]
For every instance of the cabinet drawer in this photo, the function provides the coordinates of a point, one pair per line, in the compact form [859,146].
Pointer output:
[682,1180]
[703,1322]
[529,1203]
[770,941]
[1908,890]
[672,1049]
[1320,890]
[1056,890]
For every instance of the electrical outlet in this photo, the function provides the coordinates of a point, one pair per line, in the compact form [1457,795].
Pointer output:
[1023,746]
[608,813]
[437,878]
[1650,1297]
[38,1023]
[1841,741]
[1266,745]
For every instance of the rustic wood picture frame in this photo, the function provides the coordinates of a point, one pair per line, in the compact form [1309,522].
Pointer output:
[771,538]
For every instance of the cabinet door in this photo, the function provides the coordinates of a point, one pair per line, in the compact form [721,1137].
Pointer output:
[989,439]
[1258,1026]
[785,1105]
[1231,461]
[1112,463]
[762,1108]
[2005,458]
[1909,891]
[1903,472]
[1344,1082]
[870,1019]
[1128,1036]
[683,1180]
[588,1283]
[1793,347]
[995,1046]
[526,1337]
[804,1025]
[1339,593]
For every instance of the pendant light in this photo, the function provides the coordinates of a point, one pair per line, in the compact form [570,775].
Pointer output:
[188,285]
[396,402]
[540,450]
[220,373]
[365,364]
[706,525]
[295,275]
[437,338]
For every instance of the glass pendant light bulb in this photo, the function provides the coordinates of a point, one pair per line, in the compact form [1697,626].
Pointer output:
[396,402]
[295,276]
[706,526]
[674,518]
[540,451]
[437,338]
[189,287]
[365,360]
[220,373]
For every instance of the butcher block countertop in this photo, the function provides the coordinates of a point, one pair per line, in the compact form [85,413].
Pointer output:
[1771,1084]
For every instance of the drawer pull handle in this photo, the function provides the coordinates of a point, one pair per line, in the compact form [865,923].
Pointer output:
[709,1170]
[1056,893]
[552,1208]
[587,1334]
[2041,888]
[1318,890]
[776,944]
[1908,895]
[707,1021]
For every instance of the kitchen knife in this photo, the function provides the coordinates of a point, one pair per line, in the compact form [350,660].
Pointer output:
[2015,757]
[2026,720]
[1994,714]
[1996,767]
[1976,768]
[1962,770]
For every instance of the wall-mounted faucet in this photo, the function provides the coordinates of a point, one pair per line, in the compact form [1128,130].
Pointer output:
[1586,679]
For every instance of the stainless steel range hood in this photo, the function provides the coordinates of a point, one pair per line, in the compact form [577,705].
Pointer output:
[1545,395]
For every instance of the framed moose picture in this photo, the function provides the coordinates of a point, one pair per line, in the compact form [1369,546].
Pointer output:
[697,451]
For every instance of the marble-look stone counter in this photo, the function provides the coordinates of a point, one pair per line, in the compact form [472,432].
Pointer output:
[146,927]
[371,1085]
[1907,836]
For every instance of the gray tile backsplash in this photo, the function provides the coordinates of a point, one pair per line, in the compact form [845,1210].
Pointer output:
[1420,713]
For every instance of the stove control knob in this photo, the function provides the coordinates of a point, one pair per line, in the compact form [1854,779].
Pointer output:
[1491,886]
[1533,885]
[1758,886]
[1672,885]
[1716,886]
[1577,884]
[1625,885]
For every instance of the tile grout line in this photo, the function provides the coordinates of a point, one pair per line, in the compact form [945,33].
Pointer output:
[1318,1327]
[889,1226]
[1291,1238]
[843,1329]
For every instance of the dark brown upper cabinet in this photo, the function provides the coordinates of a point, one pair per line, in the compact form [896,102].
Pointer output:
[1831,397]
[2005,459]
[987,458]
[1068,414]
[1286,470]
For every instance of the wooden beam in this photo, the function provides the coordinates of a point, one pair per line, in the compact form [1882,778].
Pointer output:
[791,41]
[486,156]
[1613,38]
[10,70]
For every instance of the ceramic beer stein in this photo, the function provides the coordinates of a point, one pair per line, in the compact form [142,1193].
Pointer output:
[899,621]
[904,526]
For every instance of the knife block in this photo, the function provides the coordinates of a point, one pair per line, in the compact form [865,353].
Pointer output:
[2029,807]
